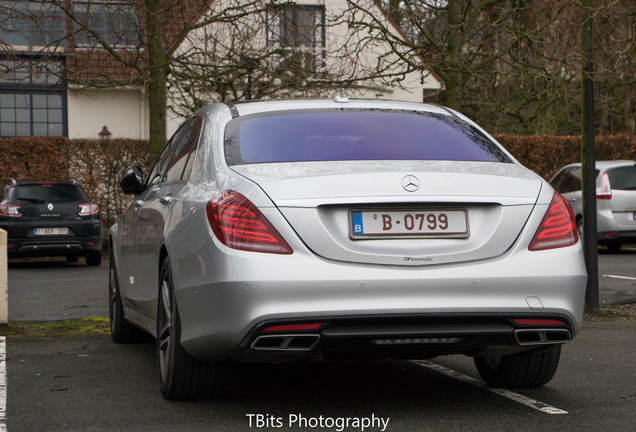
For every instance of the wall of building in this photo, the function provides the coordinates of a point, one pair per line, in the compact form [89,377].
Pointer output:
[123,111]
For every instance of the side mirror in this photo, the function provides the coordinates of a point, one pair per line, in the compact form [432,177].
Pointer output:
[132,180]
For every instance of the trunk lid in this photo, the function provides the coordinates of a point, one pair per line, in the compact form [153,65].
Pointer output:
[320,200]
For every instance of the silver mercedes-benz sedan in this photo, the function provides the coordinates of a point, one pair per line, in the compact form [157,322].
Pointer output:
[279,230]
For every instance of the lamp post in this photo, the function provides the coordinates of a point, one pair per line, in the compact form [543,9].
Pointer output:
[105,133]
[250,64]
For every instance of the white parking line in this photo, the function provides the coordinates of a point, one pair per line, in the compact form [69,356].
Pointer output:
[532,403]
[3,383]
[620,277]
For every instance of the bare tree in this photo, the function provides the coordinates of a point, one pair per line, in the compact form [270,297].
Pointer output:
[189,52]
[183,53]
[514,65]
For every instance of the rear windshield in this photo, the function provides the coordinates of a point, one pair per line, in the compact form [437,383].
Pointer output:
[355,135]
[623,178]
[48,193]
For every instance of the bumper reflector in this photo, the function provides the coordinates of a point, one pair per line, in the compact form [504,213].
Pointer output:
[416,341]
[293,327]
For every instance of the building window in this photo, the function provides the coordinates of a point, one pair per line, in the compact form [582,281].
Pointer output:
[114,22]
[32,98]
[28,25]
[299,31]
[31,114]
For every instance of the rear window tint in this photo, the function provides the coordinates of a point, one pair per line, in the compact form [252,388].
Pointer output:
[48,193]
[355,135]
[623,178]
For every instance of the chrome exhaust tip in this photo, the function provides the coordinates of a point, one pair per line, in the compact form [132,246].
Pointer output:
[542,336]
[290,342]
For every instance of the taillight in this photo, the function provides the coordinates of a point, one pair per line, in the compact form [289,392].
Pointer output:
[558,227]
[605,192]
[10,210]
[238,224]
[88,209]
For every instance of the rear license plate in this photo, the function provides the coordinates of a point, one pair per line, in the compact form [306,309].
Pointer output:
[438,223]
[51,231]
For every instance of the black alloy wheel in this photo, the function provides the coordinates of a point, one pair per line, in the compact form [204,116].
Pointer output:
[181,375]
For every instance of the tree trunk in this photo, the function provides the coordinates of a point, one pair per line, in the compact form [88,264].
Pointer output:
[157,79]
[454,75]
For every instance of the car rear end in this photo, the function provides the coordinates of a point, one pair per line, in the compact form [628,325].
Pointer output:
[345,243]
[51,218]
[616,203]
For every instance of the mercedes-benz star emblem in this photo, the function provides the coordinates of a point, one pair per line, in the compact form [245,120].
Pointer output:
[410,183]
[50,207]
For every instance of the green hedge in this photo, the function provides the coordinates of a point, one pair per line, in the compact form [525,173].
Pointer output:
[97,164]
[546,154]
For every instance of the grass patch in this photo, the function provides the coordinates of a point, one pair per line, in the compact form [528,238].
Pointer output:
[70,327]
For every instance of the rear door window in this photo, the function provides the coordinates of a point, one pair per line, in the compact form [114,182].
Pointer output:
[355,135]
[623,178]
[184,151]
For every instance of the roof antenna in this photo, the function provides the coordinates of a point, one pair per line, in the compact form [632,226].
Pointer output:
[342,97]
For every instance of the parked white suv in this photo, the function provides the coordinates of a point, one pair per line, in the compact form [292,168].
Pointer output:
[615,199]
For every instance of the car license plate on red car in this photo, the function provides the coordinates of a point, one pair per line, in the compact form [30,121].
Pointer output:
[438,223]
[51,231]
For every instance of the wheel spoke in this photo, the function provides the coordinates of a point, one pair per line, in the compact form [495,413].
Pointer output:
[164,336]
[165,297]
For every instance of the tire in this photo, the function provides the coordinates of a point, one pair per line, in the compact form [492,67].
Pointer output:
[93,258]
[579,227]
[181,375]
[527,369]
[120,330]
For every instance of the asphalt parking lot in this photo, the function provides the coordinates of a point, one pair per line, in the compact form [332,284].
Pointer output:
[88,383]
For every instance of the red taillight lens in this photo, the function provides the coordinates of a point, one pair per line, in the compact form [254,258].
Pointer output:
[10,210]
[538,322]
[238,224]
[558,228]
[605,192]
[88,209]
[293,327]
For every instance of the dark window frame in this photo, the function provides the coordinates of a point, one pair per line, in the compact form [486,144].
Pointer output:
[284,32]
[106,13]
[28,83]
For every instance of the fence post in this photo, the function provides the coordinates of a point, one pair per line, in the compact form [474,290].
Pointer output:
[4,279]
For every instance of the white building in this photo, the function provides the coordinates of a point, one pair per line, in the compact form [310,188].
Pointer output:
[315,32]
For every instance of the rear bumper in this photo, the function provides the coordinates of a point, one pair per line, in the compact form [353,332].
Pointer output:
[411,337]
[224,309]
[617,236]
[84,237]
[610,230]
[60,246]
